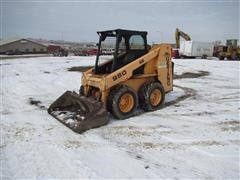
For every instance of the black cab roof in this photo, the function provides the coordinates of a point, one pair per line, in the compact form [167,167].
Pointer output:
[123,32]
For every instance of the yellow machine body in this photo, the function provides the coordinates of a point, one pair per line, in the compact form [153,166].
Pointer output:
[157,66]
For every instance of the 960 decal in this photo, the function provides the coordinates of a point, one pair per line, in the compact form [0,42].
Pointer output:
[119,75]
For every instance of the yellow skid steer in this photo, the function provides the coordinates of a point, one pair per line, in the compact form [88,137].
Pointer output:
[136,76]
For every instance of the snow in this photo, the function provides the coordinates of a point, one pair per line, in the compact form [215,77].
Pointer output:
[197,137]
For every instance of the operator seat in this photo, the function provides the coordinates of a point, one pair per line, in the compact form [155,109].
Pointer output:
[129,57]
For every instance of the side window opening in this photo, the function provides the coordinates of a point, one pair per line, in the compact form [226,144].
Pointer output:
[107,46]
[136,42]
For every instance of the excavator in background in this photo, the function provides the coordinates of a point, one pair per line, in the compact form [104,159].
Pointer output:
[191,49]
[135,77]
[178,34]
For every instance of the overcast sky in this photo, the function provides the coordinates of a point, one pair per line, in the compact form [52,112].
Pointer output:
[79,20]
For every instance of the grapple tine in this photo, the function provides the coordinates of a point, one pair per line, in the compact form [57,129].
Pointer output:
[79,113]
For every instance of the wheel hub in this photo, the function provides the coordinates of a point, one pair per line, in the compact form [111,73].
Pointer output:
[155,97]
[126,103]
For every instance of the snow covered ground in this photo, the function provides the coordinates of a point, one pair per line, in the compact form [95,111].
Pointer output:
[194,138]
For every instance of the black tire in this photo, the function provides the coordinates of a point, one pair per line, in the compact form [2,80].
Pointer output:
[234,56]
[115,96]
[81,90]
[221,57]
[144,96]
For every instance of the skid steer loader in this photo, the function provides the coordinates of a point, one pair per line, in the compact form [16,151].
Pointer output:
[136,76]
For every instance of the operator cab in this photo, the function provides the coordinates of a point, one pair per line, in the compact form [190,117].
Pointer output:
[128,46]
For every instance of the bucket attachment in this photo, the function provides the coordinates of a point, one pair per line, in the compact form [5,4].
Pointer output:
[79,113]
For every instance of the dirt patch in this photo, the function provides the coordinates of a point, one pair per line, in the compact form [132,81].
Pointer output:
[171,146]
[233,122]
[131,132]
[36,103]
[80,68]
[234,128]
[138,157]
[203,113]
[230,125]
[236,141]
[207,143]
[139,127]
[188,92]
[124,127]
[156,146]
[14,133]
[191,75]
[72,144]
[140,133]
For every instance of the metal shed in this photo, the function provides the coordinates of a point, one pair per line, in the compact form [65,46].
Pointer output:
[21,46]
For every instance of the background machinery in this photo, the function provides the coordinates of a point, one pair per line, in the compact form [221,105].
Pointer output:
[135,77]
[190,48]
[230,51]
[178,35]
